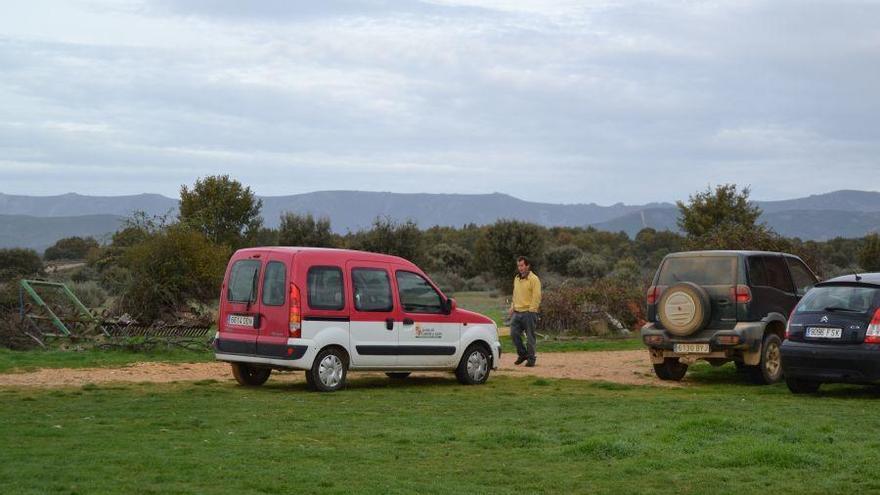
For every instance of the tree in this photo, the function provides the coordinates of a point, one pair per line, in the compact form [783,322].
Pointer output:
[559,257]
[710,209]
[222,209]
[446,258]
[869,256]
[305,230]
[15,262]
[391,237]
[589,266]
[71,248]
[503,242]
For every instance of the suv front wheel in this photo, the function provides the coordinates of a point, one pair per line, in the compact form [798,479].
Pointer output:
[671,369]
[769,370]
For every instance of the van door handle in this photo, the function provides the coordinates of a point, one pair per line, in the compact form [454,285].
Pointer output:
[389,324]
[408,321]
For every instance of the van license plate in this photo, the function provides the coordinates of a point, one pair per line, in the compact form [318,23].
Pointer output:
[824,333]
[692,348]
[241,320]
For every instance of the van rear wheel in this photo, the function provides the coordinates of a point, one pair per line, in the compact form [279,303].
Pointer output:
[329,370]
[250,376]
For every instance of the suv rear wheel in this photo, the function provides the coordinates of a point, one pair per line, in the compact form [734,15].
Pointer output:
[671,369]
[769,370]
[250,376]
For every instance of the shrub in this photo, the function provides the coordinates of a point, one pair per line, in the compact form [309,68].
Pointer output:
[391,237]
[71,248]
[578,309]
[305,230]
[89,293]
[503,242]
[449,259]
[869,256]
[15,263]
[589,266]
[559,257]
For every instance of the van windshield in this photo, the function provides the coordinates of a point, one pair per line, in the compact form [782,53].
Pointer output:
[700,270]
[243,281]
[839,298]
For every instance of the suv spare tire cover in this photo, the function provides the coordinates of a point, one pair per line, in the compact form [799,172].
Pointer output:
[684,309]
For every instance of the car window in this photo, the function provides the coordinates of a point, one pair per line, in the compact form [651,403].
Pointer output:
[777,273]
[417,295]
[243,281]
[841,297]
[372,290]
[274,284]
[325,288]
[701,270]
[803,278]
[757,273]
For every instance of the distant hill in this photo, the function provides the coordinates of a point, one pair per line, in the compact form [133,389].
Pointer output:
[33,221]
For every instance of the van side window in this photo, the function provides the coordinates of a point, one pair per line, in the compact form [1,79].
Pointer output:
[325,288]
[417,295]
[372,290]
[243,281]
[777,274]
[274,284]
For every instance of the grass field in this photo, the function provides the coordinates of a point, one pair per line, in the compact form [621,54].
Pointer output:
[494,307]
[430,435]
[20,361]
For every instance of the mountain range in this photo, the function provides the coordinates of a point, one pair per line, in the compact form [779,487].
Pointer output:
[38,221]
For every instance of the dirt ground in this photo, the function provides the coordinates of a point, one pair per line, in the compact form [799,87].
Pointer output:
[627,367]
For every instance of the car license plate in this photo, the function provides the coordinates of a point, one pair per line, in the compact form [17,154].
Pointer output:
[240,320]
[824,332]
[692,348]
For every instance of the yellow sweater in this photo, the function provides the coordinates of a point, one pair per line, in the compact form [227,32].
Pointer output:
[527,293]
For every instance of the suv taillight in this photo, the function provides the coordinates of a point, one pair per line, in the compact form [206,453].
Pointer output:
[295,312]
[654,293]
[872,336]
[743,294]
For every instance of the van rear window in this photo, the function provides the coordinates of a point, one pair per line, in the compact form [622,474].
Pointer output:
[840,298]
[702,270]
[243,281]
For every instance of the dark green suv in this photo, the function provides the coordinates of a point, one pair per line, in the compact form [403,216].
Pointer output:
[723,306]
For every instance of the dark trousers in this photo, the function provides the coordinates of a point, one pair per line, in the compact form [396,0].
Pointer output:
[524,322]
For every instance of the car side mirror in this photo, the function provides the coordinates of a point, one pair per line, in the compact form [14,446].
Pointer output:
[449,305]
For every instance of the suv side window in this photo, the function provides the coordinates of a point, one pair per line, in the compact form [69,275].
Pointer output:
[757,274]
[417,295]
[274,283]
[803,277]
[372,290]
[243,281]
[777,273]
[325,288]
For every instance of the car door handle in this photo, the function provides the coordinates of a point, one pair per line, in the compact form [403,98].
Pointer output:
[389,324]
[408,321]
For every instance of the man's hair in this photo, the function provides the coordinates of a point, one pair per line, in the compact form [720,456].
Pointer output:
[524,260]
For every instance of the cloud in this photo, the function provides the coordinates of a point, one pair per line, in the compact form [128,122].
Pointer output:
[547,100]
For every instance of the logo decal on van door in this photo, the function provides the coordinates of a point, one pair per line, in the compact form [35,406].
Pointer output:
[427,333]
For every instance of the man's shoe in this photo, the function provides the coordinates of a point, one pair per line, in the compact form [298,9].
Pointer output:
[520,360]
[530,364]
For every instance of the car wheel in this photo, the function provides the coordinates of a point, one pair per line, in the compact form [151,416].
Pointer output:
[801,386]
[310,383]
[671,369]
[329,370]
[769,370]
[474,367]
[397,375]
[250,376]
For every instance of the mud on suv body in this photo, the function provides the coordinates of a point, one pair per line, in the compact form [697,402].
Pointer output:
[723,306]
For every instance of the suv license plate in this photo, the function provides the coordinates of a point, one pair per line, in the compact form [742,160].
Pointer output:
[240,320]
[824,332]
[692,348]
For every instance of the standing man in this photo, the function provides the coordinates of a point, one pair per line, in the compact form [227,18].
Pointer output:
[524,310]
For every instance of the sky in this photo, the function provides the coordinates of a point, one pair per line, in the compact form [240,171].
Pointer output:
[559,101]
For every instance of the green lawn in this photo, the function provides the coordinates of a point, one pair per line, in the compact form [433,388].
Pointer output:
[494,307]
[586,344]
[18,361]
[431,435]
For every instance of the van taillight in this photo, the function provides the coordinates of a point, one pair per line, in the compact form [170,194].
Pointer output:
[295,312]
[743,294]
[872,336]
[654,293]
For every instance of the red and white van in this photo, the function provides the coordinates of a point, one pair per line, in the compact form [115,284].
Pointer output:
[328,311]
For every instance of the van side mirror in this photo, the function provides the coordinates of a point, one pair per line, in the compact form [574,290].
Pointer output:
[449,305]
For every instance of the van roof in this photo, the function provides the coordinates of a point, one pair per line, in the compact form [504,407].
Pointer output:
[320,255]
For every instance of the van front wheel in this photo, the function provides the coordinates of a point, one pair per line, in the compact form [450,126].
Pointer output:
[329,370]
[474,367]
[250,376]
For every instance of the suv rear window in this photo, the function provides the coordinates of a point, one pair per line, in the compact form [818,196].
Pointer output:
[840,297]
[702,270]
[243,281]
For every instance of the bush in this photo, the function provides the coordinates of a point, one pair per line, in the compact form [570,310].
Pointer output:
[449,259]
[15,263]
[391,237]
[305,230]
[559,257]
[449,283]
[71,248]
[593,309]
[503,242]
[89,293]
[869,256]
[589,266]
